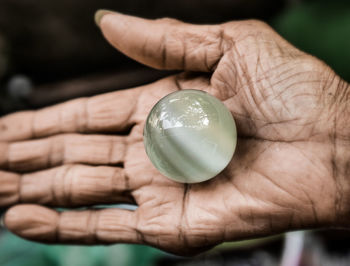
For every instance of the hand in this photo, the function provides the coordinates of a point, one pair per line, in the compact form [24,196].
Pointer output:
[290,170]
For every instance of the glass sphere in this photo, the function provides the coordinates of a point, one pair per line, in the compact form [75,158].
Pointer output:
[190,136]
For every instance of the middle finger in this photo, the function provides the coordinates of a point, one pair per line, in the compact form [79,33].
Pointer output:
[39,154]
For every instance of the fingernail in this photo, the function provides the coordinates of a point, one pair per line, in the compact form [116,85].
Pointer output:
[99,15]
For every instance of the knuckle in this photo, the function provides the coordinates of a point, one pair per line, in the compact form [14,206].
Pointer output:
[257,23]
[10,189]
[250,26]
[169,21]
[92,224]
[63,186]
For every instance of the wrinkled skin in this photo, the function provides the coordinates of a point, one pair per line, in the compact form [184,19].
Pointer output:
[290,170]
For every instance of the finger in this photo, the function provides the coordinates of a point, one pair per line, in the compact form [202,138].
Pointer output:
[9,188]
[67,186]
[164,43]
[109,112]
[79,227]
[63,149]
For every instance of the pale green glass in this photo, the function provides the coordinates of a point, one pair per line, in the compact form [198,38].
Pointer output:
[190,136]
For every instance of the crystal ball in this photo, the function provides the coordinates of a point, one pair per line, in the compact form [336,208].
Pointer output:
[190,136]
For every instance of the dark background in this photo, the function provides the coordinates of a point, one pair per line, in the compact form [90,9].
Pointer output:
[51,51]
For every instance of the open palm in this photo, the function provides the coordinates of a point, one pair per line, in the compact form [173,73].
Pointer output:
[283,176]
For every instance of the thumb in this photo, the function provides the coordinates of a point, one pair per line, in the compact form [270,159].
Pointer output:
[163,43]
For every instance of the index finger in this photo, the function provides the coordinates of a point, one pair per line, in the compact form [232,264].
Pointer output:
[107,112]
[110,112]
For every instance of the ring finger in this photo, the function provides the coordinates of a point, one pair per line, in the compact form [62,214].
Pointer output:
[67,186]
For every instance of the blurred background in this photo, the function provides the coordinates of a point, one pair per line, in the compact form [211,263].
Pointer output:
[51,51]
